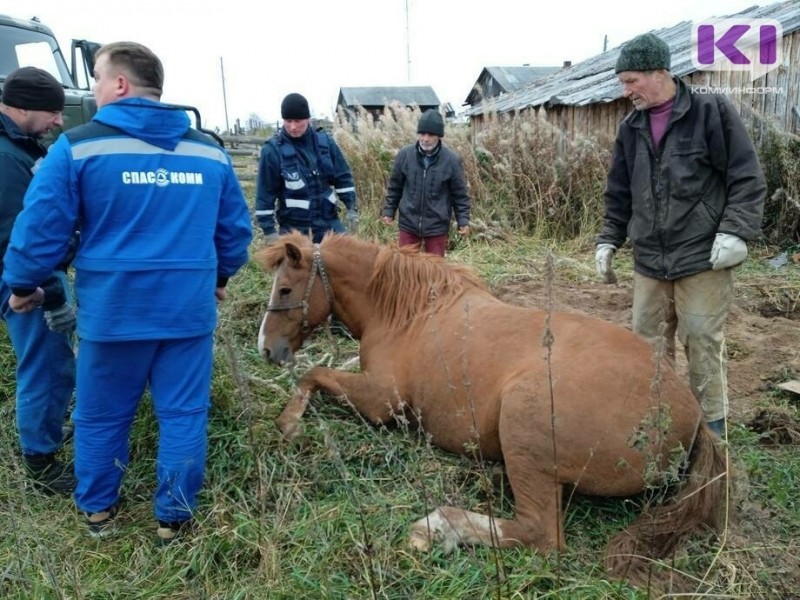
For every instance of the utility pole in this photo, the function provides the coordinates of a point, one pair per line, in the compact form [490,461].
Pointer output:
[408,48]
[605,42]
[224,95]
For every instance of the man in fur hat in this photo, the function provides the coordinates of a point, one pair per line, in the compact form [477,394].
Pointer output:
[685,185]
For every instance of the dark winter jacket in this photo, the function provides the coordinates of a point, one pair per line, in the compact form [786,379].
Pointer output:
[704,179]
[18,155]
[302,180]
[427,197]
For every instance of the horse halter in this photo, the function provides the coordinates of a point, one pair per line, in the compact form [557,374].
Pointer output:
[317,266]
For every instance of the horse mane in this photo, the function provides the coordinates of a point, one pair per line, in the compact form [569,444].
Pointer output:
[407,286]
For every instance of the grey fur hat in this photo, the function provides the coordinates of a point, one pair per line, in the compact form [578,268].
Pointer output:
[645,52]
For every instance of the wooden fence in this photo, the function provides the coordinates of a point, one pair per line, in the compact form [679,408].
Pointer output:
[244,151]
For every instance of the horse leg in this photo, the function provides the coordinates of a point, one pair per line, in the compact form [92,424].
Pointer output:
[289,419]
[537,528]
[527,454]
[376,402]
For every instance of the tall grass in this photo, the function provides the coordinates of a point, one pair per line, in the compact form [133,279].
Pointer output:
[779,151]
[529,179]
[526,176]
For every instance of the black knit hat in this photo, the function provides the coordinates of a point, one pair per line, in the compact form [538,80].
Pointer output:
[645,52]
[30,88]
[431,122]
[295,106]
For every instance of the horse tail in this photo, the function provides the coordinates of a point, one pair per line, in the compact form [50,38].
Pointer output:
[656,533]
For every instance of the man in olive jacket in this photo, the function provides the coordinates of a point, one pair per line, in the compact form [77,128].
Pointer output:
[427,186]
[685,185]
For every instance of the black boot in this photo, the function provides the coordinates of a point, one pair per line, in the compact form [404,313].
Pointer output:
[50,476]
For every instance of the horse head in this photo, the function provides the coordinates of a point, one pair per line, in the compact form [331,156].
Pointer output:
[301,296]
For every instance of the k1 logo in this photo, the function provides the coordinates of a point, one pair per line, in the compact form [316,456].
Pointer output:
[737,45]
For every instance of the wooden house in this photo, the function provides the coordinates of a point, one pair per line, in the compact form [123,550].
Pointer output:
[495,81]
[375,99]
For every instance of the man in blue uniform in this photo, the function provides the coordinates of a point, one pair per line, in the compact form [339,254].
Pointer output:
[302,177]
[31,107]
[164,225]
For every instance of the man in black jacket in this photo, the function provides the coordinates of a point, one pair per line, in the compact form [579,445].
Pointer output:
[302,179]
[685,185]
[31,107]
[427,186]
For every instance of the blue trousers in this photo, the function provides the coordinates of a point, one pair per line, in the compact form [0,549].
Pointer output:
[112,376]
[45,376]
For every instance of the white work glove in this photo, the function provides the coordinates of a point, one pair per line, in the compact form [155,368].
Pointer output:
[61,319]
[352,221]
[727,251]
[270,239]
[602,260]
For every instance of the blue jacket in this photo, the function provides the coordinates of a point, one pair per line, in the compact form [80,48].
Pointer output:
[307,176]
[163,223]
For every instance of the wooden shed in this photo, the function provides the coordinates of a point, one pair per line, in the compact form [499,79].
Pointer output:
[375,99]
[495,81]
[586,99]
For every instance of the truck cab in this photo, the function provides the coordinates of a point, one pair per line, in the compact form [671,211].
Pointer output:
[26,43]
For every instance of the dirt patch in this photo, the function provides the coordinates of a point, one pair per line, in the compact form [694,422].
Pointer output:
[762,350]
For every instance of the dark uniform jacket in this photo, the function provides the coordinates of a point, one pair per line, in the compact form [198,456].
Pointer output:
[426,197]
[18,155]
[301,181]
[704,179]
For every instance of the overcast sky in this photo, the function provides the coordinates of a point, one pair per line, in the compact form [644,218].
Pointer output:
[314,47]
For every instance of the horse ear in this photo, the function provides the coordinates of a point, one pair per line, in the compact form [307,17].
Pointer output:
[293,254]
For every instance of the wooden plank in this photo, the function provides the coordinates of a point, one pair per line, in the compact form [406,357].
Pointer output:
[790,386]
[244,139]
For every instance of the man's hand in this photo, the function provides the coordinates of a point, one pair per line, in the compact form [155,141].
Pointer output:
[61,319]
[463,231]
[387,220]
[23,304]
[602,260]
[352,221]
[727,251]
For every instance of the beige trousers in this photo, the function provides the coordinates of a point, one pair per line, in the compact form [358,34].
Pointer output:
[695,308]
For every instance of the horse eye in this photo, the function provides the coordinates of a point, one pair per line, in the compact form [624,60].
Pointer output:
[285,291]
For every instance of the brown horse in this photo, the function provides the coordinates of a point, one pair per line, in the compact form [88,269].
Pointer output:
[561,399]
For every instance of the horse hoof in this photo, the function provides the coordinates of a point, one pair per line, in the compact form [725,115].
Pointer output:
[290,428]
[419,540]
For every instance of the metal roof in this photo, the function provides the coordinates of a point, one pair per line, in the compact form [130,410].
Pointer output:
[381,96]
[513,78]
[593,80]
